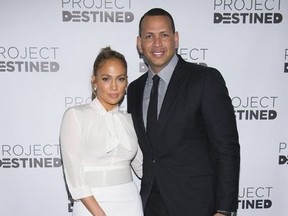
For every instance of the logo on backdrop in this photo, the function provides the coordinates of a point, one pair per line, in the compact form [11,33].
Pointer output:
[258,197]
[100,11]
[247,12]
[196,55]
[30,156]
[283,153]
[74,101]
[255,107]
[29,59]
[286,61]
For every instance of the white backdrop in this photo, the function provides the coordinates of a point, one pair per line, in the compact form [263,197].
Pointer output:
[47,49]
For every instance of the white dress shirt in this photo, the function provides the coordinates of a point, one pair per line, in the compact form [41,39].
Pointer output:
[94,139]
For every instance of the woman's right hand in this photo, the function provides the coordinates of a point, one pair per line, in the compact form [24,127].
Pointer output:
[100,213]
[92,205]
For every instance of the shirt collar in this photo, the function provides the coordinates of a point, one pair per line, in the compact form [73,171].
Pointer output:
[166,73]
[96,104]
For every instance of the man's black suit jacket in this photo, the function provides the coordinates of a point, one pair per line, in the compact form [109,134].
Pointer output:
[197,155]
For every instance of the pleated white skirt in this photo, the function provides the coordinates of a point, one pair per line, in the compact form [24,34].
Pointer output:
[117,200]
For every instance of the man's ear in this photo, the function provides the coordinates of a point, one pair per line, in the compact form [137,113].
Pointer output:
[176,38]
[139,45]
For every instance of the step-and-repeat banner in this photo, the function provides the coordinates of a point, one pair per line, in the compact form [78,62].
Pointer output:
[47,49]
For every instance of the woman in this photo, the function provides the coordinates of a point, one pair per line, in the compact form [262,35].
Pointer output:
[99,144]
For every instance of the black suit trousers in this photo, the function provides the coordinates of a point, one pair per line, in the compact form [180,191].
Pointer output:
[155,205]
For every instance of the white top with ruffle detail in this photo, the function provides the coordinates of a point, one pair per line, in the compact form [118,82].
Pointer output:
[98,139]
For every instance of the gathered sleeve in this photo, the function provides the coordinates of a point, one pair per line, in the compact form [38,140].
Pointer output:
[71,142]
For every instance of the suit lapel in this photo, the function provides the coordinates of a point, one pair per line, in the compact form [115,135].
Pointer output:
[139,110]
[139,102]
[171,95]
[167,106]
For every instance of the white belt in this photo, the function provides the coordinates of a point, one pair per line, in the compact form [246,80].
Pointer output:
[96,177]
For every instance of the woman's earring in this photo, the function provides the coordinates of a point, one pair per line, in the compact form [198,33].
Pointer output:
[94,90]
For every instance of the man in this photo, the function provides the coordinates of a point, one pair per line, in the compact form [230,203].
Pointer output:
[191,154]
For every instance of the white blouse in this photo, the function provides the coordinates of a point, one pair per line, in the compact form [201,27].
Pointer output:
[92,137]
